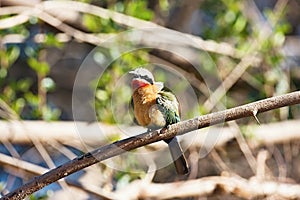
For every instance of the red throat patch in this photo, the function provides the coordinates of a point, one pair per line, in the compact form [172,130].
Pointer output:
[135,84]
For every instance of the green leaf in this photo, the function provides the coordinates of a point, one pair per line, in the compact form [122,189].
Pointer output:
[12,54]
[31,98]
[50,114]
[101,95]
[24,84]
[139,9]
[240,24]
[51,40]
[18,105]
[41,67]
[3,73]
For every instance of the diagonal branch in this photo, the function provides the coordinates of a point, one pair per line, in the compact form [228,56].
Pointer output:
[131,143]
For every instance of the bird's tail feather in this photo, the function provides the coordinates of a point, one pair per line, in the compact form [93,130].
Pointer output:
[177,156]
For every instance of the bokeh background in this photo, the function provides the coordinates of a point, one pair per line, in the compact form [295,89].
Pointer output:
[243,51]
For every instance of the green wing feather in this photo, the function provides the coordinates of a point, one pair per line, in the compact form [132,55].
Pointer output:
[168,106]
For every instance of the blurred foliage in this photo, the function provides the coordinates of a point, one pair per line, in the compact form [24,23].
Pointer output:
[98,25]
[228,22]
[225,21]
[20,94]
[39,197]
[132,170]
[37,62]
[106,86]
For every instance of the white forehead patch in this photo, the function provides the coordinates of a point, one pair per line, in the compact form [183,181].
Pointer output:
[143,73]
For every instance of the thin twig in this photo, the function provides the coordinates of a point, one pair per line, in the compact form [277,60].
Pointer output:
[131,143]
[244,146]
[220,164]
[230,80]
[281,164]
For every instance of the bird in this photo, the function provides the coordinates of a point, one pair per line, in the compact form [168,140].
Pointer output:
[155,106]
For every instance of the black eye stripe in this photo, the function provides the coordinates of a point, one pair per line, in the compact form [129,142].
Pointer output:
[147,78]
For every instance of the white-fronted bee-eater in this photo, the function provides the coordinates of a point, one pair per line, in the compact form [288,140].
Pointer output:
[155,107]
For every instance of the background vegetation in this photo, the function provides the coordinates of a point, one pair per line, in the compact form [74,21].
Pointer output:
[39,61]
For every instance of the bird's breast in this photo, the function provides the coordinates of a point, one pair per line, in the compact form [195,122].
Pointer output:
[146,111]
[156,116]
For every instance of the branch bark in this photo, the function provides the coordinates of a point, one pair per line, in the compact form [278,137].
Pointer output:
[131,143]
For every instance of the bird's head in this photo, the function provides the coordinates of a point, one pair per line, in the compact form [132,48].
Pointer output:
[141,77]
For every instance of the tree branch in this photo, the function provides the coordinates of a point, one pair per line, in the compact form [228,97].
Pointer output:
[131,143]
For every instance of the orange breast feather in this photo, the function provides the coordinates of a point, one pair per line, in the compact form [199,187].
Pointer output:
[143,99]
